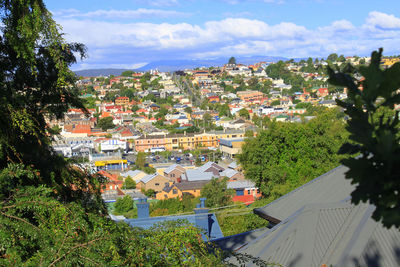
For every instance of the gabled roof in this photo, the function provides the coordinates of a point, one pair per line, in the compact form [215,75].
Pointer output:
[318,225]
[173,167]
[229,173]
[336,234]
[191,185]
[240,184]
[149,177]
[131,173]
[208,165]
[329,187]
[197,175]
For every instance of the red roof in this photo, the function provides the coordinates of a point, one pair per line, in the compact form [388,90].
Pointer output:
[82,129]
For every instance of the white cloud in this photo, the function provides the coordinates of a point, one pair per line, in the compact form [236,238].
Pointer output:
[382,21]
[144,42]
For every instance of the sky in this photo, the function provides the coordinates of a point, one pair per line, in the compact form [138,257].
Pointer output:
[132,33]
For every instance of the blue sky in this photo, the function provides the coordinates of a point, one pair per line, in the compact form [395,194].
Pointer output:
[131,33]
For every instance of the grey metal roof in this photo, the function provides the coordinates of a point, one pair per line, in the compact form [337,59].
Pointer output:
[329,187]
[130,173]
[148,178]
[229,173]
[337,234]
[197,175]
[171,168]
[240,184]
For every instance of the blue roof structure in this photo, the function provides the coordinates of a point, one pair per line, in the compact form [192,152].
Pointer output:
[228,142]
[147,223]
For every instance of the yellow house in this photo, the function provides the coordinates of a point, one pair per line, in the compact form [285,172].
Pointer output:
[175,190]
[153,181]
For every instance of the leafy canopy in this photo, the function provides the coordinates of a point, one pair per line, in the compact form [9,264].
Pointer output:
[374,135]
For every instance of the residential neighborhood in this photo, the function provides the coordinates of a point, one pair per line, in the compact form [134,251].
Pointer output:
[190,124]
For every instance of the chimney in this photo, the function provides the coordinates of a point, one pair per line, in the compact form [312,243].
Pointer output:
[203,219]
[142,208]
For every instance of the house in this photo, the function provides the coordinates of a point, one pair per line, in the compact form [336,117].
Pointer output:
[136,175]
[197,175]
[113,183]
[122,101]
[211,167]
[245,191]
[174,190]
[174,173]
[231,147]
[233,175]
[153,181]
[322,92]
[317,225]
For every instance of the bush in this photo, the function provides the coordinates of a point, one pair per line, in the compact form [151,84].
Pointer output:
[129,183]
[124,204]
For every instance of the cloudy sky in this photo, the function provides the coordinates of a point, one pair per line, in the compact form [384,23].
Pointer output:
[131,33]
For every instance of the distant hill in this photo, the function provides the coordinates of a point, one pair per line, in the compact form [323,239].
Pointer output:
[173,65]
[99,72]
[180,64]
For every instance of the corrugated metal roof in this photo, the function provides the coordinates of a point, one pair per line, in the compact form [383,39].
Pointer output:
[148,178]
[329,187]
[196,175]
[336,233]
[170,168]
[241,184]
[228,173]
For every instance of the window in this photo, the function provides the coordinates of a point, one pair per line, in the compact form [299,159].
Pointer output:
[248,191]
[157,184]
[175,191]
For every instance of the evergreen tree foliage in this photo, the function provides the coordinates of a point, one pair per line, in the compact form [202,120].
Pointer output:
[374,135]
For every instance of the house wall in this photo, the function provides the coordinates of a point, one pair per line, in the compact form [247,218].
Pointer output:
[157,183]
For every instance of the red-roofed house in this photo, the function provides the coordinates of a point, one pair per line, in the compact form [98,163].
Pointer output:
[113,182]
[80,128]
[322,92]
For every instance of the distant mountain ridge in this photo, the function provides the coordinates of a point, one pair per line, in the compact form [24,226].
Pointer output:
[100,72]
[180,64]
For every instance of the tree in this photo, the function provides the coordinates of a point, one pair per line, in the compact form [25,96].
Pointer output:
[127,73]
[217,193]
[129,183]
[123,204]
[105,123]
[374,135]
[332,57]
[244,113]
[224,110]
[188,110]
[275,103]
[288,155]
[232,60]
[51,212]
[140,160]
[341,58]
[249,133]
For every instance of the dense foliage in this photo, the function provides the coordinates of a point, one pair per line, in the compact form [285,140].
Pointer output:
[287,155]
[51,212]
[374,132]
[217,193]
